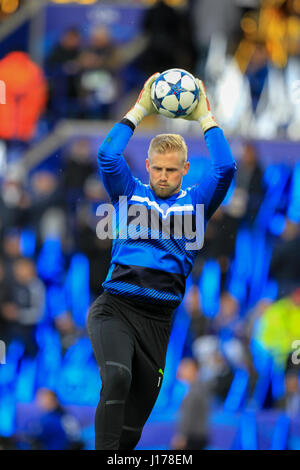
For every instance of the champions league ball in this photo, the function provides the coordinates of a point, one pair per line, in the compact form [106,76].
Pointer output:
[175,93]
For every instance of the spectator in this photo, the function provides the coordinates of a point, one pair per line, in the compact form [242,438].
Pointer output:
[11,250]
[8,309]
[285,262]
[8,312]
[168,44]
[28,295]
[26,96]
[8,443]
[62,69]
[78,166]
[227,320]
[14,200]
[97,251]
[208,24]
[3,287]
[68,332]
[46,211]
[199,322]
[249,191]
[290,403]
[66,51]
[252,317]
[55,429]
[192,431]
[279,326]
[257,72]
[215,370]
[250,178]
[219,243]
[99,63]
[101,52]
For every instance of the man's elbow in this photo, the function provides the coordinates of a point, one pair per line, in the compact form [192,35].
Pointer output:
[100,154]
[104,159]
[103,152]
[232,169]
[100,158]
[108,162]
[227,172]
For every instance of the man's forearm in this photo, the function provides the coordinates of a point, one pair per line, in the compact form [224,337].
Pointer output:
[111,149]
[115,173]
[222,169]
[219,150]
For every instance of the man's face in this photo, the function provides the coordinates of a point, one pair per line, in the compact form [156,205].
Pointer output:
[165,173]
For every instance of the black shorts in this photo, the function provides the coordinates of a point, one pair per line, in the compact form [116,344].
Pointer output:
[131,337]
[148,325]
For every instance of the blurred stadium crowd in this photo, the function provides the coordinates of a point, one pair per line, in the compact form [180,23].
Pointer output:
[234,340]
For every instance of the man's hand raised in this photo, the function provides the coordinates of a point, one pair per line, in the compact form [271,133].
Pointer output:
[144,106]
[202,113]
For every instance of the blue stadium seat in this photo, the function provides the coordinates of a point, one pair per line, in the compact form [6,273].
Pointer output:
[264,363]
[8,371]
[50,262]
[238,392]
[278,387]
[281,432]
[78,379]
[49,357]
[26,380]
[241,268]
[77,288]
[276,177]
[209,286]
[27,242]
[293,211]
[56,301]
[246,438]
[168,395]
[7,411]
[261,253]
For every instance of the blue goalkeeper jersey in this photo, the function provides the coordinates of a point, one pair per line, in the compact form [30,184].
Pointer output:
[151,260]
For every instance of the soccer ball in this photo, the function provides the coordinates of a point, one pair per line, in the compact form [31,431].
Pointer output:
[175,93]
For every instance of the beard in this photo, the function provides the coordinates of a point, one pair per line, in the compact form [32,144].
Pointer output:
[163,192]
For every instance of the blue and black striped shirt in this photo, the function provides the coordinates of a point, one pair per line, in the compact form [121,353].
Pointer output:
[152,268]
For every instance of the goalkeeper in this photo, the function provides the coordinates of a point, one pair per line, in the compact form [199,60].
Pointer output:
[129,324]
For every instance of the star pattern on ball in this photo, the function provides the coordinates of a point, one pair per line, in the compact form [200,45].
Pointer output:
[175,93]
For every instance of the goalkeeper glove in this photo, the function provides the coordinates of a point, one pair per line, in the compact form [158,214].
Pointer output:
[144,106]
[202,113]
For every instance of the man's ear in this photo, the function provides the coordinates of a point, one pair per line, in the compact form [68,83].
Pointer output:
[186,168]
[147,164]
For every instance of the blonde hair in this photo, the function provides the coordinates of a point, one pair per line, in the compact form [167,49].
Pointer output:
[164,143]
